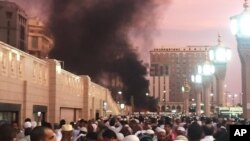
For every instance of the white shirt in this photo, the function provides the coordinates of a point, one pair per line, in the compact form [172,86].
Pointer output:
[58,134]
[26,138]
[208,138]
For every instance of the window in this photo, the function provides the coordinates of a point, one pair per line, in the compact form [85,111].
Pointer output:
[21,45]
[8,32]
[9,116]
[34,42]
[161,70]
[9,15]
[22,32]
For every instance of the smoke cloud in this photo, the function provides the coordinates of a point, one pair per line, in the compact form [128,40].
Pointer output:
[35,8]
[92,37]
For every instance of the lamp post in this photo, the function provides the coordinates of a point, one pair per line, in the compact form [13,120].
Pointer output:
[120,96]
[197,80]
[122,108]
[226,95]
[234,97]
[241,99]
[240,28]
[105,104]
[206,70]
[164,94]
[229,96]
[212,99]
[212,102]
[185,90]
[219,55]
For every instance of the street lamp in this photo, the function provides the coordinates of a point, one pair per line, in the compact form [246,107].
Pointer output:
[105,107]
[212,99]
[197,80]
[219,55]
[212,102]
[206,70]
[119,96]
[119,92]
[164,96]
[122,107]
[240,28]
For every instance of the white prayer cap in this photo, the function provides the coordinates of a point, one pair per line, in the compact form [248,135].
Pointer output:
[27,124]
[131,138]
[67,127]
[137,121]
[158,130]
[150,132]
[181,129]
[199,122]
[120,136]
[84,129]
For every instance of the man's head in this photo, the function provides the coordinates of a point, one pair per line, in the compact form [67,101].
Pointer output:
[40,133]
[14,124]
[208,129]
[180,131]
[67,131]
[7,132]
[194,132]
[109,135]
[62,122]
[161,136]
[168,127]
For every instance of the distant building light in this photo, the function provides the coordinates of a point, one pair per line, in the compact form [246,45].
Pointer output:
[173,111]
[122,106]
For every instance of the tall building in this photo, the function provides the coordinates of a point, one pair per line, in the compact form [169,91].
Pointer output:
[170,67]
[40,41]
[13,25]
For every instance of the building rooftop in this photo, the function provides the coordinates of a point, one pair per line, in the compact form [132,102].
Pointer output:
[185,49]
[12,5]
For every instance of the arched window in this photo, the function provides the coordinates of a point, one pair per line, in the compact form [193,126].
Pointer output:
[178,108]
[173,107]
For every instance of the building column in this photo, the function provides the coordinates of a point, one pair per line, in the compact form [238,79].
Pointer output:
[54,109]
[207,91]
[186,103]
[198,103]
[220,74]
[220,92]
[246,89]
[25,104]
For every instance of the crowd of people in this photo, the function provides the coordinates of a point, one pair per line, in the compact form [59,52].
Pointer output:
[122,128]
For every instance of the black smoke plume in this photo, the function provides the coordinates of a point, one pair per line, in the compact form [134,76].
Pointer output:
[91,37]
